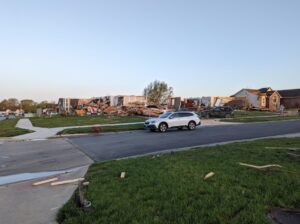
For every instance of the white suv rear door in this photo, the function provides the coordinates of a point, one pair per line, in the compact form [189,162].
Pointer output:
[174,120]
[186,117]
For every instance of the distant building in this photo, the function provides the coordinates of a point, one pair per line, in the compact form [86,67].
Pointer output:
[290,98]
[67,105]
[127,100]
[174,103]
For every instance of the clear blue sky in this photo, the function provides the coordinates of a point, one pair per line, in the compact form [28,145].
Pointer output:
[90,48]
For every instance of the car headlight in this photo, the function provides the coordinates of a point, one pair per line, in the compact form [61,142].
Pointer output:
[153,122]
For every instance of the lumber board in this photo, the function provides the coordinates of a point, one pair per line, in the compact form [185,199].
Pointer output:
[67,181]
[45,181]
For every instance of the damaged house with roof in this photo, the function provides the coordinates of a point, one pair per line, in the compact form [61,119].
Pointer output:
[269,99]
[256,98]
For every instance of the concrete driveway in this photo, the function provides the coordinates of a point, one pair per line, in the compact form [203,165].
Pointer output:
[21,202]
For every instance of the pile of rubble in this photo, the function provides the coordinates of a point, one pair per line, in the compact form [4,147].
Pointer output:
[103,107]
[133,110]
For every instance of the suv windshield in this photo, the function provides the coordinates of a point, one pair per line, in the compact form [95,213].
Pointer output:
[165,115]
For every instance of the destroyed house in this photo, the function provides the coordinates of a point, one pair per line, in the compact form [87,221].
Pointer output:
[117,101]
[68,105]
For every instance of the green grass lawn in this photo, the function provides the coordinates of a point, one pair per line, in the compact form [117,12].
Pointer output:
[102,129]
[244,113]
[170,188]
[261,119]
[8,129]
[47,122]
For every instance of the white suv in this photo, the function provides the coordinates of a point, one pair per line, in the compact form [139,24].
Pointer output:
[173,120]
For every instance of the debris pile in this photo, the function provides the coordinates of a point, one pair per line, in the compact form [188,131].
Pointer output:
[105,106]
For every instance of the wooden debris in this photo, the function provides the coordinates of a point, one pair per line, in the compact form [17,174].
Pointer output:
[291,149]
[85,184]
[155,156]
[123,175]
[297,156]
[209,175]
[110,110]
[265,167]
[67,181]
[45,181]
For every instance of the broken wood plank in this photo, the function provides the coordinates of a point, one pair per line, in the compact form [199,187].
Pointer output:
[67,181]
[45,181]
[209,175]
[123,174]
[289,148]
[265,167]
[85,184]
[297,156]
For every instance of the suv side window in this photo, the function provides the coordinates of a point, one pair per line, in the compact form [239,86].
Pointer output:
[175,115]
[185,114]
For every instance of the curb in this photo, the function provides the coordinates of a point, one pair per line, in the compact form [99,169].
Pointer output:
[255,122]
[94,134]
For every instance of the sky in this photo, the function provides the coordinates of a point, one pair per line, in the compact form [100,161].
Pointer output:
[70,48]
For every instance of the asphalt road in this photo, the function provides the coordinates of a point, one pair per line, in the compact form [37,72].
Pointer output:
[118,145]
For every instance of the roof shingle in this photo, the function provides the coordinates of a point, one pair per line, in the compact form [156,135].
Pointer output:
[289,93]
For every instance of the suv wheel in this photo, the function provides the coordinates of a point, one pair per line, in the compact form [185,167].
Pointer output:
[191,125]
[163,127]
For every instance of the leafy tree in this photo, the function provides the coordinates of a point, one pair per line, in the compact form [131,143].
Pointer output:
[3,105]
[29,106]
[158,92]
[12,104]
[42,104]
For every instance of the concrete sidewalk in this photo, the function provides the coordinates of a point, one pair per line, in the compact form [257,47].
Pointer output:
[21,202]
[39,133]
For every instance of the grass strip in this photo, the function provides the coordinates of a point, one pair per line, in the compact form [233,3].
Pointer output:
[59,121]
[261,119]
[98,129]
[8,129]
